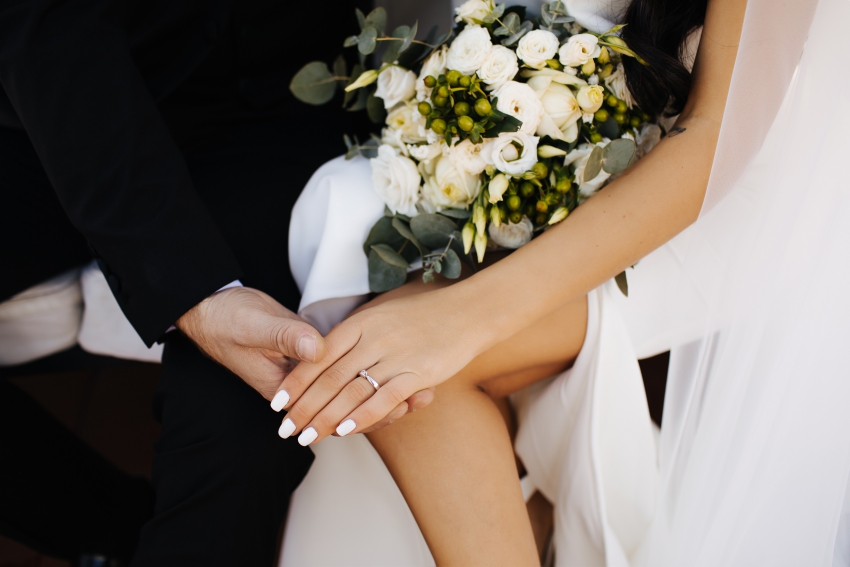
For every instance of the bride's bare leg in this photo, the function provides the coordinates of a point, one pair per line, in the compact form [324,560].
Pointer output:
[454,461]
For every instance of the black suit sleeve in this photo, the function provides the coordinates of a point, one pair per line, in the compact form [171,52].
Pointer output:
[67,70]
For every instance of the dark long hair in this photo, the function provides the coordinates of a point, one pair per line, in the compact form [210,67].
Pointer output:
[657,30]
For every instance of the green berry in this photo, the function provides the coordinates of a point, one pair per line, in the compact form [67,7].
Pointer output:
[540,170]
[612,101]
[462,108]
[552,199]
[465,123]
[483,107]
[439,126]
[622,107]
[453,77]
[596,137]
[440,101]
[620,118]
[635,121]
[514,202]
[526,189]
[515,217]
[601,115]
[443,92]
[465,81]
[424,108]
[541,219]
[541,207]
[529,210]
[430,82]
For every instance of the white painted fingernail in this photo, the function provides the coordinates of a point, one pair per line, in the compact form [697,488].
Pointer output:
[280,399]
[346,427]
[307,436]
[286,428]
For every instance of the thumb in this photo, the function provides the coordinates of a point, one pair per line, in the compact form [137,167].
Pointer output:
[291,337]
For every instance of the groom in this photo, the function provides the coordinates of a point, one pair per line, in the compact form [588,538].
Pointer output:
[160,138]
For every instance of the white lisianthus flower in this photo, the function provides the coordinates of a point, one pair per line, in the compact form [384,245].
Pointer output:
[578,159]
[536,47]
[498,186]
[616,83]
[434,66]
[469,50]
[579,49]
[446,186]
[500,67]
[590,98]
[513,153]
[466,156]
[407,123]
[561,112]
[474,11]
[425,152]
[512,235]
[520,101]
[396,180]
[395,85]
[647,138]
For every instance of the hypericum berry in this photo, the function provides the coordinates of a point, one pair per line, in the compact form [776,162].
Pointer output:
[443,92]
[465,81]
[514,202]
[483,107]
[453,77]
[424,108]
[601,115]
[541,219]
[430,82]
[541,206]
[515,217]
[526,189]
[552,199]
[440,101]
[462,108]
[635,121]
[540,170]
[622,107]
[465,123]
[612,101]
[620,118]
[529,210]
[438,125]
[596,137]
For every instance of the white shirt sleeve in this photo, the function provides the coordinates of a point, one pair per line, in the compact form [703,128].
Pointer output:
[234,283]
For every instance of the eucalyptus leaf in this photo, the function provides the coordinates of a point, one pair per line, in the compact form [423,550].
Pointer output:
[432,230]
[622,283]
[393,49]
[313,84]
[390,256]
[375,109]
[593,165]
[352,152]
[451,266]
[411,35]
[610,129]
[350,41]
[526,27]
[617,155]
[438,266]
[367,41]
[340,67]
[360,102]
[377,18]
[456,213]
[361,19]
[383,233]
[383,276]
[404,229]
[510,25]
[349,96]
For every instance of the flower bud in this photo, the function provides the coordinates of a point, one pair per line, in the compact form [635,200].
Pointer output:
[479,218]
[552,199]
[589,67]
[365,79]
[465,123]
[540,170]
[495,216]
[424,108]
[606,71]
[514,202]
[480,245]
[468,233]
[503,212]
[554,64]
[490,170]
[549,152]
[604,56]
[483,107]
[559,215]
[497,188]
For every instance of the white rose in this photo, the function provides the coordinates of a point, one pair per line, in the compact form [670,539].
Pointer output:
[446,186]
[616,83]
[647,138]
[395,85]
[512,235]
[425,152]
[395,180]
[466,156]
[469,50]
[561,113]
[590,98]
[434,66]
[536,47]
[473,11]
[500,67]
[520,101]
[513,153]
[578,159]
[579,49]
[406,123]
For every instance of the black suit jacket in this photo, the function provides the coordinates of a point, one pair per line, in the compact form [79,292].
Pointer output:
[111,93]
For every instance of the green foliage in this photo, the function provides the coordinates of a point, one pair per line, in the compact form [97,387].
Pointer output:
[432,230]
[367,41]
[390,256]
[314,84]
[375,109]
[384,276]
[622,283]
[618,155]
[593,165]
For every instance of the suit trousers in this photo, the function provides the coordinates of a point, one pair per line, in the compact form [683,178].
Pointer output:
[222,475]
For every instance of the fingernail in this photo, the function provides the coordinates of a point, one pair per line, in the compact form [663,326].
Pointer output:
[280,399]
[286,428]
[306,348]
[307,436]
[346,427]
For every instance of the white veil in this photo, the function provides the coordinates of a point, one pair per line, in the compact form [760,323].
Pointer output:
[755,446]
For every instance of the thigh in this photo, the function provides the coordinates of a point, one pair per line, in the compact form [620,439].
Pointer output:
[222,475]
[39,241]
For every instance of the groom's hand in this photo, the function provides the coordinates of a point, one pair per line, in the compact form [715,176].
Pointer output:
[253,335]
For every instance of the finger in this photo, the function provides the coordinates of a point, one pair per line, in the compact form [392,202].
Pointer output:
[338,343]
[327,421]
[399,412]
[421,399]
[291,337]
[385,400]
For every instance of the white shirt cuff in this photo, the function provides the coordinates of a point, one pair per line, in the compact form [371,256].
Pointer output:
[234,283]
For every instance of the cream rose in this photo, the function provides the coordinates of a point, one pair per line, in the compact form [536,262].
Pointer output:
[425,152]
[469,50]
[590,98]
[616,83]
[395,85]
[466,156]
[578,159]
[536,47]
[561,113]
[513,153]
[473,11]
[406,124]
[579,49]
[512,235]
[446,186]
[395,180]
[500,67]
[434,66]
[520,101]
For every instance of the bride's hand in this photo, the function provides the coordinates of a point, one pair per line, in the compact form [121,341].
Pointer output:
[402,345]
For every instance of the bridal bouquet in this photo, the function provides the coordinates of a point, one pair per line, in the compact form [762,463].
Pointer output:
[492,132]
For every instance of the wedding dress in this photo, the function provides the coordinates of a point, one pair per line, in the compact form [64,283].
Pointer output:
[753,459]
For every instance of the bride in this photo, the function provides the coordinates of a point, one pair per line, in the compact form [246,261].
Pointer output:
[753,459]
